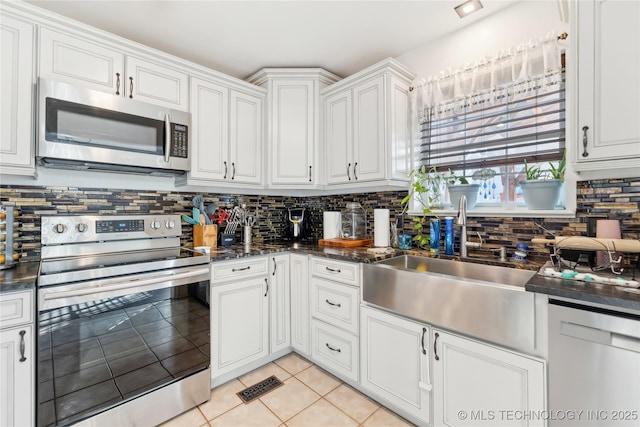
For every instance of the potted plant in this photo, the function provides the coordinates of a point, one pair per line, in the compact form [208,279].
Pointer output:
[458,186]
[538,190]
[557,172]
[426,188]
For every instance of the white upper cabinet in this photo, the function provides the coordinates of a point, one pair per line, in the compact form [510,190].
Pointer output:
[16,103]
[227,133]
[108,68]
[607,65]
[367,127]
[293,124]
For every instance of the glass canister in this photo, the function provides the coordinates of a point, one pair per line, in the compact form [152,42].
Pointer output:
[353,221]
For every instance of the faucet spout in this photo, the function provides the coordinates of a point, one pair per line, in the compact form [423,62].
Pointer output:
[462,222]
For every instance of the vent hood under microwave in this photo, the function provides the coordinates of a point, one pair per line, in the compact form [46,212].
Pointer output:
[83,129]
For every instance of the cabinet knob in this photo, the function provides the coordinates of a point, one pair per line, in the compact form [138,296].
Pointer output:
[59,228]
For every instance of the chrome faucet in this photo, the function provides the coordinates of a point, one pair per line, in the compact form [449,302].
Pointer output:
[462,222]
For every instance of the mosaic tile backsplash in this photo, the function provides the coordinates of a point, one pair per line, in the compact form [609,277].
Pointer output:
[602,199]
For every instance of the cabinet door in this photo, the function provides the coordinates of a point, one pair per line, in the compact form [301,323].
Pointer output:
[157,84]
[239,324]
[16,86]
[300,303]
[16,387]
[246,132]
[368,131]
[387,342]
[279,300]
[78,61]
[293,132]
[209,130]
[399,132]
[608,83]
[338,136]
[485,384]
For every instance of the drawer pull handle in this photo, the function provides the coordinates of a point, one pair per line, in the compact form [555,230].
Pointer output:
[333,270]
[117,83]
[22,346]
[348,175]
[354,171]
[240,269]
[225,170]
[267,283]
[435,346]
[309,173]
[275,266]
[332,349]
[424,331]
[131,87]
[233,168]
[333,303]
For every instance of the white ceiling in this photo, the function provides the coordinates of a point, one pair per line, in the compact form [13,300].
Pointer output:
[240,37]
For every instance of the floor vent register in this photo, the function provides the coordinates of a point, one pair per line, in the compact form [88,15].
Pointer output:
[263,387]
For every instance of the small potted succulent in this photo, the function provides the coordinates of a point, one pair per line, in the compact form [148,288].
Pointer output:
[540,191]
[458,186]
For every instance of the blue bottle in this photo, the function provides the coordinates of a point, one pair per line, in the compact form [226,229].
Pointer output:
[448,235]
[434,236]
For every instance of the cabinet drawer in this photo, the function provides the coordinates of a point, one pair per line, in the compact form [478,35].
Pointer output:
[335,303]
[334,349]
[16,308]
[345,272]
[232,270]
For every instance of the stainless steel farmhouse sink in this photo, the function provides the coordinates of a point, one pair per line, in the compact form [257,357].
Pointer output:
[483,301]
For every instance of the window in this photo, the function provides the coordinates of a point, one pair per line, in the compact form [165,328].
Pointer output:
[487,138]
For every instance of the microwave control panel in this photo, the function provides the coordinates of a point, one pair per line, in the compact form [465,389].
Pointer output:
[179,141]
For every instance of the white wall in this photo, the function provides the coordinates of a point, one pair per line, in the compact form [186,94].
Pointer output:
[506,28]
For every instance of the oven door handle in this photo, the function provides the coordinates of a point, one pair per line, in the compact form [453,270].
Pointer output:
[52,295]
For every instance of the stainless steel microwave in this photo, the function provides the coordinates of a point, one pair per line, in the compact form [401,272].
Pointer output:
[85,129]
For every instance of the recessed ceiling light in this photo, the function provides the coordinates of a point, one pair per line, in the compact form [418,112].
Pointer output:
[468,7]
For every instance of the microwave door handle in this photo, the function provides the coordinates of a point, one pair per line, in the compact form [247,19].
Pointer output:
[167,137]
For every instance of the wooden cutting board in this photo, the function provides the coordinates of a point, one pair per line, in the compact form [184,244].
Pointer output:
[345,243]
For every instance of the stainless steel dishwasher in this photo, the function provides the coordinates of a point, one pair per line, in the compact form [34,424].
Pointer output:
[594,366]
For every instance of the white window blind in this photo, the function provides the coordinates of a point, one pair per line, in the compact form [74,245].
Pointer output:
[525,121]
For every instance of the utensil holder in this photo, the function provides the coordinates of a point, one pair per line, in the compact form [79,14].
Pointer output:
[205,235]
[247,234]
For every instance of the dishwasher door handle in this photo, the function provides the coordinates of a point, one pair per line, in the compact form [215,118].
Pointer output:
[600,336]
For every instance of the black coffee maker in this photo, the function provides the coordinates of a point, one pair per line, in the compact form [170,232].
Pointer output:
[297,224]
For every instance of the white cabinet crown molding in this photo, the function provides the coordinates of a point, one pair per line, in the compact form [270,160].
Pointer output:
[388,65]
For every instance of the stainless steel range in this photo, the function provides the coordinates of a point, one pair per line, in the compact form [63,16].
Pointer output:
[123,321]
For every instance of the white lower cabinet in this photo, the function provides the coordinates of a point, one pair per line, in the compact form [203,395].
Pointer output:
[239,324]
[300,330]
[334,310]
[476,384]
[334,349]
[16,360]
[394,362]
[280,303]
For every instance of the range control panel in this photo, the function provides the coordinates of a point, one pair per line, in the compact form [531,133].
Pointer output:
[93,228]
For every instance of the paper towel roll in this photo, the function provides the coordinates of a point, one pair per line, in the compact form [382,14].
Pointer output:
[330,225]
[381,227]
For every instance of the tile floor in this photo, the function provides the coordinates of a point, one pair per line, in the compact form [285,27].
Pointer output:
[310,397]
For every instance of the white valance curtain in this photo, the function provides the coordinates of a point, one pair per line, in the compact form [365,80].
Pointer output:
[533,65]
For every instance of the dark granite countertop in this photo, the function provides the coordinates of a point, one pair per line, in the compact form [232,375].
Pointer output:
[24,275]
[615,296]
[19,278]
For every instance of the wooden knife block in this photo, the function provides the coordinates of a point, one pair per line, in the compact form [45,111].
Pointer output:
[205,235]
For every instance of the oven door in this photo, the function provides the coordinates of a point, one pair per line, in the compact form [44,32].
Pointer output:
[104,351]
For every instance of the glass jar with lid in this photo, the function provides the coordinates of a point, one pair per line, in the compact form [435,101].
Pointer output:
[353,221]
